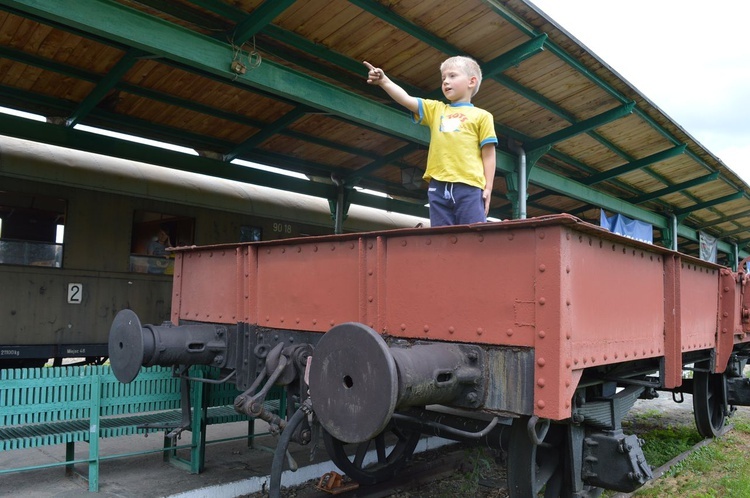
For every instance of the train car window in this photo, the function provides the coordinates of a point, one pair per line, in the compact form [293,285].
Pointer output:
[31,229]
[152,234]
[250,234]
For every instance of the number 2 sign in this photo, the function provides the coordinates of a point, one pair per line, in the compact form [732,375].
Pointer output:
[75,293]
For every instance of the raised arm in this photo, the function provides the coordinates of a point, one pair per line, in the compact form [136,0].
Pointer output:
[376,76]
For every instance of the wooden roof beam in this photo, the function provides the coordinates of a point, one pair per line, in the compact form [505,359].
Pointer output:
[684,212]
[675,188]
[736,216]
[493,69]
[555,109]
[619,184]
[48,65]
[104,86]
[79,74]
[344,77]
[381,162]
[253,23]
[322,52]
[266,132]
[184,11]
[293,39]
[734,232]
[399,22]
[635,165]
[514,56]
[220,8]
[581,127]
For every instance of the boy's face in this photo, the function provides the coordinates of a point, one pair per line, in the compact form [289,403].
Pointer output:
[457,85]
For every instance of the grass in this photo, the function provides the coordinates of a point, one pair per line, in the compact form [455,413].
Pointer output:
[479,464]
[719,469]
[661,445]
[662,441]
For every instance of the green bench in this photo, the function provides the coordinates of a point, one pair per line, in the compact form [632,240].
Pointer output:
[67,405]
[218,408]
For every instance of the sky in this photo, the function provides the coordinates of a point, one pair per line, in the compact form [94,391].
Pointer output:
[690,58]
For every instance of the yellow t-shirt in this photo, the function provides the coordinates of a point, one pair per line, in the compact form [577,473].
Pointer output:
[457,134]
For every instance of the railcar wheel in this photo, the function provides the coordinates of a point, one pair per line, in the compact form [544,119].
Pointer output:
[709,401]
[349,457]
[541,467]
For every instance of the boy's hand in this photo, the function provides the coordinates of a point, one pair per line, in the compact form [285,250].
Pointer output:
[375,76]
[487,197]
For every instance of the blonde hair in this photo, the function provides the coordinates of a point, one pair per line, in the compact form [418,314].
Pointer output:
[467,65]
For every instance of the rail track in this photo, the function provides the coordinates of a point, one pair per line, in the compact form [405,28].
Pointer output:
[420,474]
[447,471]
[431,467]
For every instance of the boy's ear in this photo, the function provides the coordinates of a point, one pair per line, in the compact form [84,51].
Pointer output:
[473,81]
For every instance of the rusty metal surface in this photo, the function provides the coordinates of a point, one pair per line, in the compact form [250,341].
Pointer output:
[576,294]
[511,381]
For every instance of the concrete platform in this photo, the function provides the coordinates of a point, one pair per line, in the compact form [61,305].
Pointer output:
[232,469]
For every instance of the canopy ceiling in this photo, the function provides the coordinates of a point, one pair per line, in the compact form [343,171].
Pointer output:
[282,83]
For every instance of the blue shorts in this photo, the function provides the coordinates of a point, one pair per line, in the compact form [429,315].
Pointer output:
[455,204]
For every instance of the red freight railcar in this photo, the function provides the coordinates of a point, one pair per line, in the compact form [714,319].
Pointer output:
[535,335]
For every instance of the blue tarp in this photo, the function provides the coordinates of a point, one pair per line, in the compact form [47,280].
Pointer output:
[623,225]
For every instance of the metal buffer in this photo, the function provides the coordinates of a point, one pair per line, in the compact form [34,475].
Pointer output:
[357,381]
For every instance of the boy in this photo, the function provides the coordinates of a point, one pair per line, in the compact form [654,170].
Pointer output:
[461,157]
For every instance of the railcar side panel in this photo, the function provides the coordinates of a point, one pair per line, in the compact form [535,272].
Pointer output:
[308,285]
[615,299]
[72,307]
[699,304]
[205,286]
[470,286]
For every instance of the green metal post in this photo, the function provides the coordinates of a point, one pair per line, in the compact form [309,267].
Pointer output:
[94,428]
